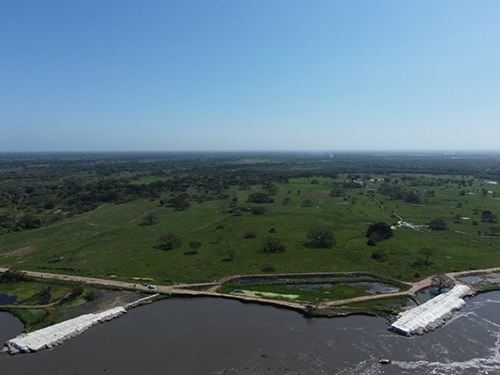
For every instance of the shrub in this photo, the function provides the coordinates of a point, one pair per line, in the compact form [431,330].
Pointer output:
[249,235]
[437,224]
[269,267]
[258,210]
[273,245]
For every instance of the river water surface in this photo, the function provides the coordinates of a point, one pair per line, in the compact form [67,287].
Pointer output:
[217,336]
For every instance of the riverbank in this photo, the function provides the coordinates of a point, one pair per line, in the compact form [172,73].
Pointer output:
[56,334]
[192,290]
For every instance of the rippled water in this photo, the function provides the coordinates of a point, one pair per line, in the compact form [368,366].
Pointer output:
[10,326]
[216,336]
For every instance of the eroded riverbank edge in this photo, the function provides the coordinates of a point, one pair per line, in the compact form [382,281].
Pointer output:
[329,309]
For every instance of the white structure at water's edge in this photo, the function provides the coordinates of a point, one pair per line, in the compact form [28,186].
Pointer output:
[56,334]
[431,314]
[48,337]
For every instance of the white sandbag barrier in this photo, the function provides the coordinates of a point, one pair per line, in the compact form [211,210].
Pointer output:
[56,334]
[432,314]
[141,301]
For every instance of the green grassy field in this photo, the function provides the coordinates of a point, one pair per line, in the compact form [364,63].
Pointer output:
[110,243]
[28,292]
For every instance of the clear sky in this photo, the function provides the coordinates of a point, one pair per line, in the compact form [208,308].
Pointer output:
[85,75]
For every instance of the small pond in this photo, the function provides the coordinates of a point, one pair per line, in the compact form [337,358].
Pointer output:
[428,294]
[299,280]
[373,288]
[7,300]
[493,281]
[378,288]
[470,279]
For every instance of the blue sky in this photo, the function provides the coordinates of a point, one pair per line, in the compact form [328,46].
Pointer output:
[249,75]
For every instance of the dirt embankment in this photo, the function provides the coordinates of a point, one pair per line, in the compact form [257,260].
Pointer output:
[185,291]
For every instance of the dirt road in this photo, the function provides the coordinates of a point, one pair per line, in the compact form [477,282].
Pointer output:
[186,290]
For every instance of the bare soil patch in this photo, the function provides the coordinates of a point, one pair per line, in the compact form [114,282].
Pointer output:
[19,252]
[321,197]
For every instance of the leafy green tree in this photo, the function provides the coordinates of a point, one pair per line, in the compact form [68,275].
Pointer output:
[380,255]
[170,241]
[488,217]
[273,245]
[379,231]
[30,221]
[195,245]
[437,224]
[427,252]
[258,210]
[149,218]
[412,197]
[320,238]
[260,198]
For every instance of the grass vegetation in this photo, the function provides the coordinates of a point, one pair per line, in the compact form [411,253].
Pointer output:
[384,307]
[337,288]
[211,207]
[109,243]
[40,302]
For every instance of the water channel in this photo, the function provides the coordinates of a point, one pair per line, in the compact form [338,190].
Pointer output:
[216,336]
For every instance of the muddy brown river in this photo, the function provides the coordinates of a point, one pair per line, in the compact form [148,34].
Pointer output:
[217,336]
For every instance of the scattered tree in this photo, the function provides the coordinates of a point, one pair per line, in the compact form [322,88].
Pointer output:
[412,197]
[170,241]
[260,198]
[273,245]
[195,245]
[180,202]
[320,238]
[258,210]
[379,231]
[427,252]
[307,203]
[149,218]
[488,217]
[337,191]
[442,281]
[249,235]
[495,230]
[437,224]
[380,255]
